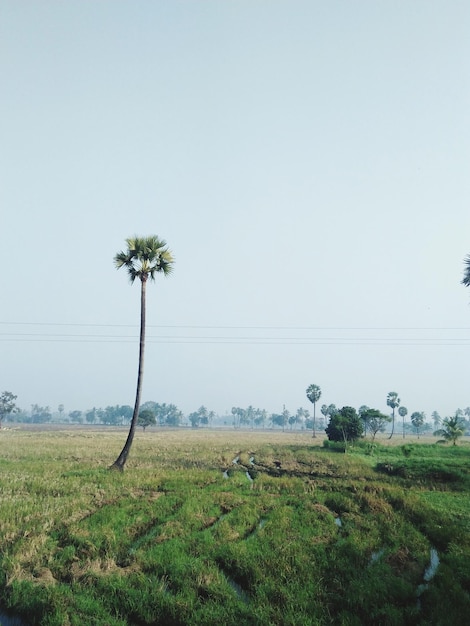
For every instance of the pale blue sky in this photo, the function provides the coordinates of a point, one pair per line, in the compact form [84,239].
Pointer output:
[308,164]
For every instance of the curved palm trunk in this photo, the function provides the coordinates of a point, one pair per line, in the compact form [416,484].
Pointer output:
[122,458]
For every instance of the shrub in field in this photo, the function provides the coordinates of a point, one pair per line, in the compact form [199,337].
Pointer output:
[345,425]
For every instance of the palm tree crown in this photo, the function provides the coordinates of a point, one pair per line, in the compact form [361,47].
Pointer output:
[144,257]
[393,400]
[466,274]
[313,393]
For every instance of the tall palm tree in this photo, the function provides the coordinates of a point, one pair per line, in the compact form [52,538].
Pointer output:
[143,259]
[393,401]
[313,394]
[403,412]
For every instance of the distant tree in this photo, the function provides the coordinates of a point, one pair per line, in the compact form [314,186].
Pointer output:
[168,414]
[417,419]
[403,412]
[40,414]
[150,404]
[117,414]
[298,418]
[203,415]
[261,417]
[76,416]
[7,405]
[327,412]
[345,425]
[375,420]
[393,401]
[146,418]
[313,394]
[126,412]
[21,416]
[467,420]
[307,421]
[237,413]
[330,410]
[144,258]
[363,414]
[161,412]
[277,419]
[61,409]
[107,416]
[285,417]
[436,419]
[195,419]
[90,416]
[244,417]
[249,416]
[174,417]
[452,429]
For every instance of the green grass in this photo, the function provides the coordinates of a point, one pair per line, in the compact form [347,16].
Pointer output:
[318,537]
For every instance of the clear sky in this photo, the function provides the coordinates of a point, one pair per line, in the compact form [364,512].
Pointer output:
[307,163]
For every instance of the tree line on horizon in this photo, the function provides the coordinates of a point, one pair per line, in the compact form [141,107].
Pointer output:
[347,424]
[152,413]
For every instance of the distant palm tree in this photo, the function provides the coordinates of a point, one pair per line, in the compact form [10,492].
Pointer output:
[143,259]
[417,419]
[436,418]
[403,412]
[453,428]
[313,394]
[393,401]
[363,412]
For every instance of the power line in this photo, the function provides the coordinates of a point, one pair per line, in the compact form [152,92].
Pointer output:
[64,337]
[257,338]
[249,341]
[244,327]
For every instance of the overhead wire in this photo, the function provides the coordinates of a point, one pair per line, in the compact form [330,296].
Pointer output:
[258,327]
[256,339]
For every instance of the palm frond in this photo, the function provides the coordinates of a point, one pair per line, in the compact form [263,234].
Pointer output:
[466,275]
[121,258]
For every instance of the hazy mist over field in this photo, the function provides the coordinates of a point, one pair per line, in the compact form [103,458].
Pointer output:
[307,163]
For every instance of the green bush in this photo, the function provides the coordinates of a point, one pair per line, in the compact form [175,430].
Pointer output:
[345,425]
[335,446]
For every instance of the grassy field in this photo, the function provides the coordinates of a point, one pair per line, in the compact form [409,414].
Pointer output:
[186,537]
